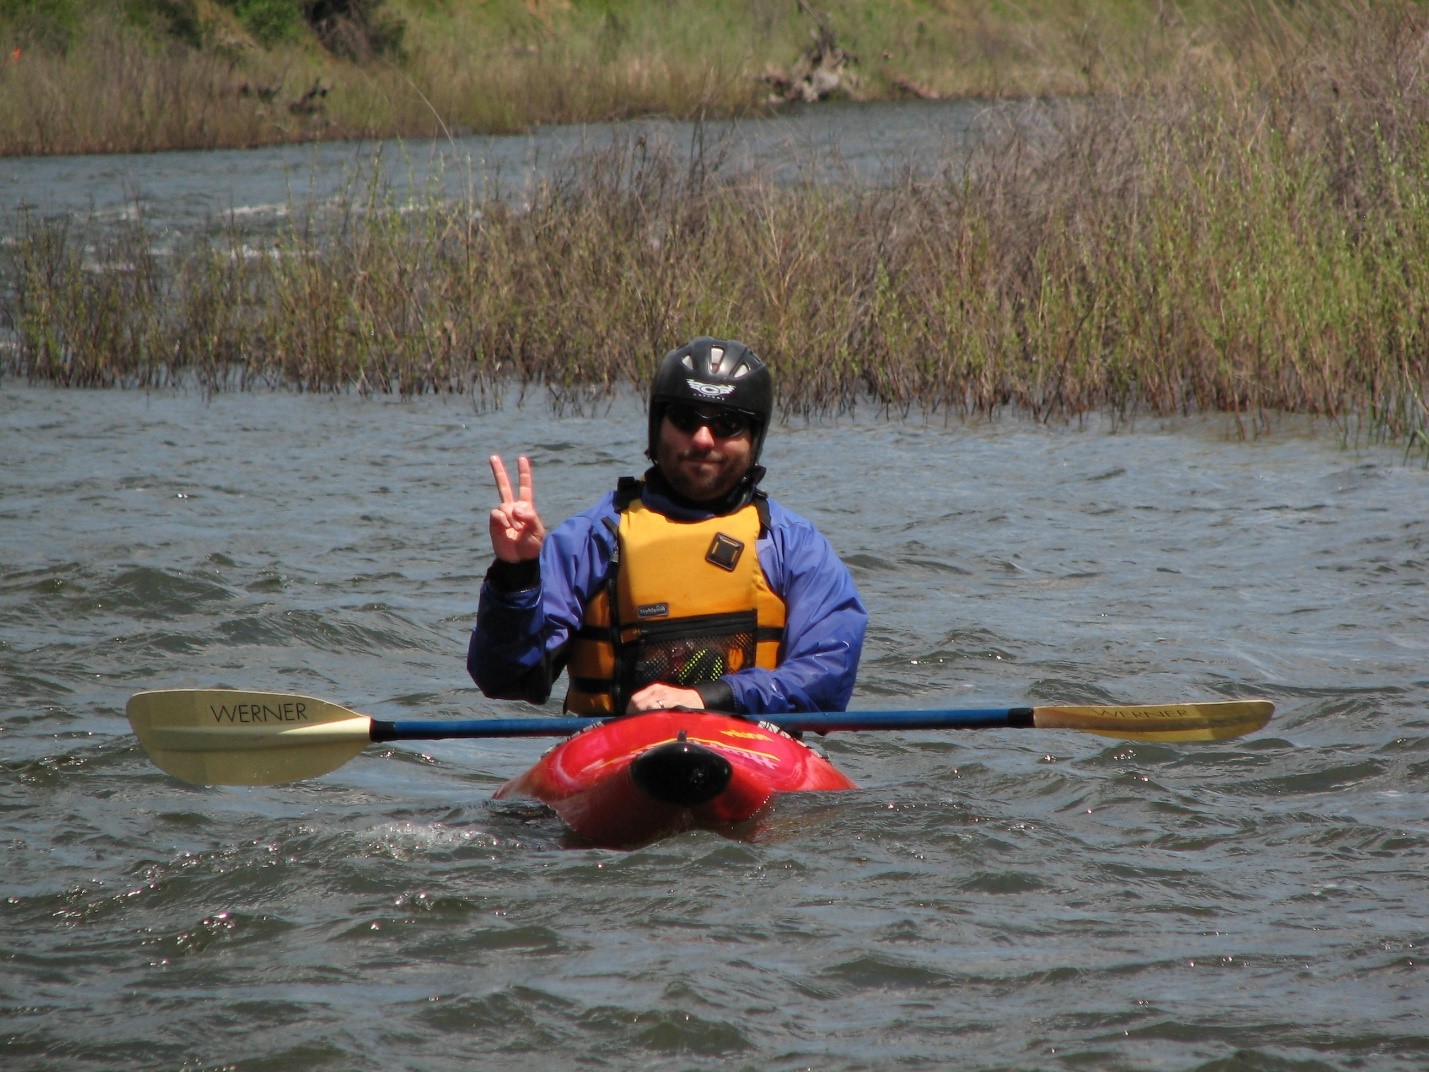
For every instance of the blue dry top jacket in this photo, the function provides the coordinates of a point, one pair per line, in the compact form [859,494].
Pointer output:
[518,647]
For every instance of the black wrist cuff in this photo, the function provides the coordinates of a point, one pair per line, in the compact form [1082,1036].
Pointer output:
[716,696]
[514,576]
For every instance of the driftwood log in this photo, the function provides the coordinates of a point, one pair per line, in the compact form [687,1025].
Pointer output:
[311,102]
[822,70]
[912,88]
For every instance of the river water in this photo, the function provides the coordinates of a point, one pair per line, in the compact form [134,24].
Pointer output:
[991,900]
[180,192]
[1014,899]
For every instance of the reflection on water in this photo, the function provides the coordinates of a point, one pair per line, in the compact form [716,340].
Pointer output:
[998,900]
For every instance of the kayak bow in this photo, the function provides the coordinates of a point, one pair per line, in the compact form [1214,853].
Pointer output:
[631,780]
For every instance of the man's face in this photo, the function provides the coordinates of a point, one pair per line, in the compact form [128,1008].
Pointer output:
[701,453]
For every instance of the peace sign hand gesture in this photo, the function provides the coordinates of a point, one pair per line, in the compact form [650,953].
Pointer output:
[516,530]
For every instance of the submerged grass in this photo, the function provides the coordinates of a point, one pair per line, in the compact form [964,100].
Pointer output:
[1202,245]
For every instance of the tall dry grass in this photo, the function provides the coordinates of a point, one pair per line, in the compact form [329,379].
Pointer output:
[120,90]
[494,68]
[1208,244]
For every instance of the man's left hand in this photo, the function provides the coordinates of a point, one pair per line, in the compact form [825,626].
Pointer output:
[662,697]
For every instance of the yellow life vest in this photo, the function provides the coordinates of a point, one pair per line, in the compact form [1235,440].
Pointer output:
[691,605]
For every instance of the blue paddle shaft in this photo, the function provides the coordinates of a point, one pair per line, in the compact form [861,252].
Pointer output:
[809,721]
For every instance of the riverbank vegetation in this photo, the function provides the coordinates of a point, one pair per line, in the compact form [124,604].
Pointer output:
[1213,242]
[84,76]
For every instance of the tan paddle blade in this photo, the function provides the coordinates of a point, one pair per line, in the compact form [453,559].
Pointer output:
[237,737]
[1217,721]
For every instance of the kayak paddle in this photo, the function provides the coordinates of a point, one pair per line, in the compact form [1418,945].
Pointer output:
[240,737]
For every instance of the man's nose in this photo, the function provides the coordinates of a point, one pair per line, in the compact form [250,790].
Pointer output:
[703,437]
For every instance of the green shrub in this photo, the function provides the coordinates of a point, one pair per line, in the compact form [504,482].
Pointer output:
[270,21]
[50,25]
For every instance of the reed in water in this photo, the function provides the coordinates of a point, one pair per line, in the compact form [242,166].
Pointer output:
[1204,245]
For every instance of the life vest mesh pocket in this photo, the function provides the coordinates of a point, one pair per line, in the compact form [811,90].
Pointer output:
[691,651]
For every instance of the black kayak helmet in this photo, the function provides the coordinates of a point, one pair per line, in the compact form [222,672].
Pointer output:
[713,374]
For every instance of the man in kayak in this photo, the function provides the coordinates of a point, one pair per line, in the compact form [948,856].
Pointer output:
[687,588]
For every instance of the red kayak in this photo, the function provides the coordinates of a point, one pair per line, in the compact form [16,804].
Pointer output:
[631,780]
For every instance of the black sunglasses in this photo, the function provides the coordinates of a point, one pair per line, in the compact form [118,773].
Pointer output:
[725,424]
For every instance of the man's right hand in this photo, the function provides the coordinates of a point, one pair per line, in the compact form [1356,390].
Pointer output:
[516,530]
